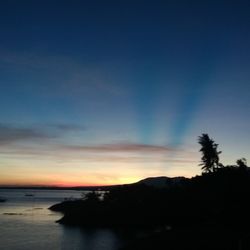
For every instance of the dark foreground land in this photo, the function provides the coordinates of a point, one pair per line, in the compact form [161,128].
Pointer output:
[193,238]
[211,211]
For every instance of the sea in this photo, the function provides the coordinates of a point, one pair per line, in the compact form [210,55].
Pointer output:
[26,223]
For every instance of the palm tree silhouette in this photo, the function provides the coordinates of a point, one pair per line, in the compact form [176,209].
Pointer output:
[210,155]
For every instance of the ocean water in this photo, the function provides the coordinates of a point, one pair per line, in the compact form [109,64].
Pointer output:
[27,224]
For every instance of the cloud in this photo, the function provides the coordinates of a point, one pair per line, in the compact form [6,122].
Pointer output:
[36,61]
[105,152]
[66,127]
[46,146]
[71,76]
[120,147]
[10,133]
[135,156]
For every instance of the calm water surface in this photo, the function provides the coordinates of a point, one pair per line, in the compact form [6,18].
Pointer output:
[27,224]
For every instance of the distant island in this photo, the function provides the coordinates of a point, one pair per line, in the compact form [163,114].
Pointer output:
[209,211]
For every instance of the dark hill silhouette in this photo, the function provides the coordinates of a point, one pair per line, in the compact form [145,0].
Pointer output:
[214,197]
[215,203]
[210,211]
[163,181]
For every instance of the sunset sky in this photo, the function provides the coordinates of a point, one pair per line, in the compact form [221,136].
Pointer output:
[108,92]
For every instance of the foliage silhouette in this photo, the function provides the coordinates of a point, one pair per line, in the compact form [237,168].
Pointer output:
[210,155]
[242,163]
[210,211]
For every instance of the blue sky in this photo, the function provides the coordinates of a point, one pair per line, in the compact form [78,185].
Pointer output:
[114,91]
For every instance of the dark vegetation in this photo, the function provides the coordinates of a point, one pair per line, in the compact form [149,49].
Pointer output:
[211,211]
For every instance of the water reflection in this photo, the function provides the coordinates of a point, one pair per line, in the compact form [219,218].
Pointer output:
[90,239]
[27,224]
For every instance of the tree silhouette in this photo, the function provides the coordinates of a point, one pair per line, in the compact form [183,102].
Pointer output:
[210,155]
[242,163]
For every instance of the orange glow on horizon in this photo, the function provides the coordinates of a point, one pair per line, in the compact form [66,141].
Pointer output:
[66,183]
[65,174]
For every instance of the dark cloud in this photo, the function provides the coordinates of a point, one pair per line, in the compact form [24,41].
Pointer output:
[66,127]
[119,152]
[120,147]
[10,133]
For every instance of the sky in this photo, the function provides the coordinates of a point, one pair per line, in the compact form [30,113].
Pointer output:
[110,92]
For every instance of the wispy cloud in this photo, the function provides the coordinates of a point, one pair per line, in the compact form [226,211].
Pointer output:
[63,127]
[31,60]
[11,133]
[74,77]
[44,143]
[120,147]
[111,153]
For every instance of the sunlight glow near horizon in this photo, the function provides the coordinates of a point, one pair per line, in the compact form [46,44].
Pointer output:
[103,94]
[73,171]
